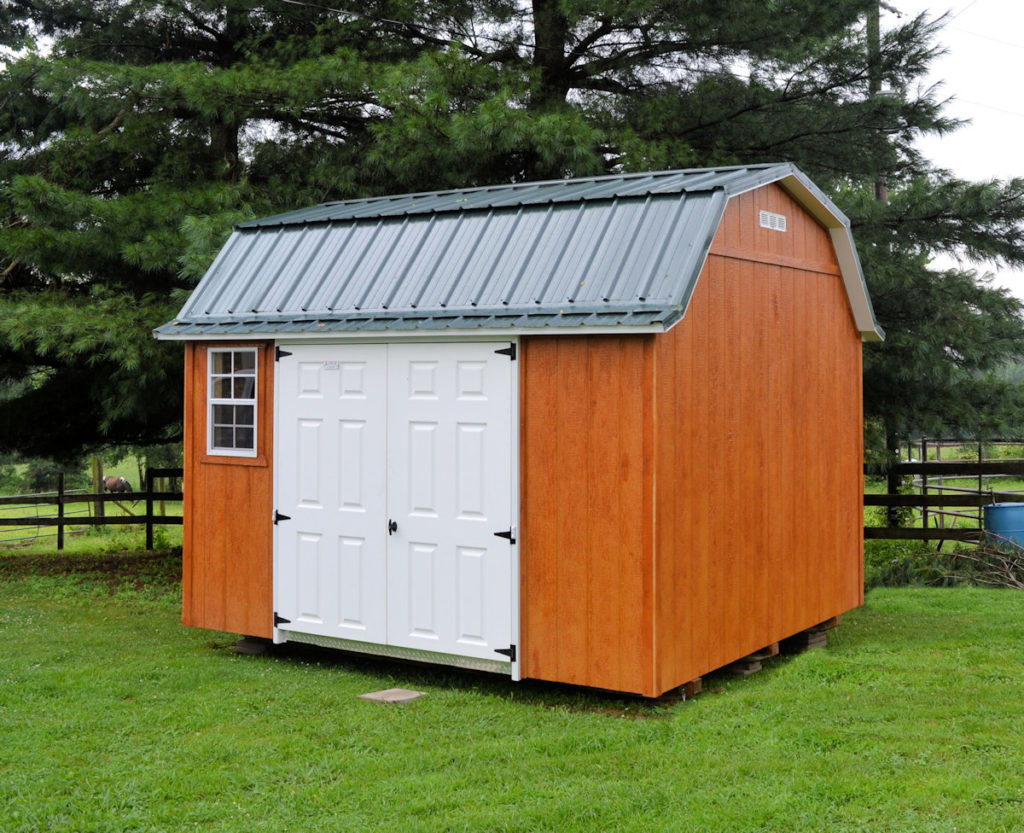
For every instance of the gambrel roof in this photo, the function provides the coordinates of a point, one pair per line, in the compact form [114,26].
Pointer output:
[614,253]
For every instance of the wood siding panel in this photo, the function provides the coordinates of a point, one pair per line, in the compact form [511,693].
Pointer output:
[759,448]
[586,580]
[804,245]
[228,536]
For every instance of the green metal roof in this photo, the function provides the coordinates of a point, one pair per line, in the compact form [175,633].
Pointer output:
[619,253]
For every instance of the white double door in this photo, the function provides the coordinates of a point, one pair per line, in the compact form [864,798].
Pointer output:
[395,472]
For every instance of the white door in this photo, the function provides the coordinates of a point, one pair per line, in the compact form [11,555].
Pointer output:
[449,493]
[331,566]
[395,467]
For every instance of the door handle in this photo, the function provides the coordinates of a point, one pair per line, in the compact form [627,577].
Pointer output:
[392,527]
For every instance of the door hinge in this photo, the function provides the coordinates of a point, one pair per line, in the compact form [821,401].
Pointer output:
[509,534]
[279,517]
[510,652]
[280,354]
[280,620]
[509,351]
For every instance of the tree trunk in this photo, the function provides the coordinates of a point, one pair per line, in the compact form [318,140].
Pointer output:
[224,149]
[874,36]
[225,127]
[551,36]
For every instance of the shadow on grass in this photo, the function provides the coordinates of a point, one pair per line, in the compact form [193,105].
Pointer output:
[141,569]
[417,675]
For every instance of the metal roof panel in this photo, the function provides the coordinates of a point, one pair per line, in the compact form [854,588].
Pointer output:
[569,253]
[527,193]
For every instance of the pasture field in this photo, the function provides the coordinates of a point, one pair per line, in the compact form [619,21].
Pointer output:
[113,717]
[91,539]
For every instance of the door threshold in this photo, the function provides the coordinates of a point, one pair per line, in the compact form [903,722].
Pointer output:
[494,666]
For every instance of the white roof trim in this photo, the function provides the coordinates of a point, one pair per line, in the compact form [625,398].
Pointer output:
[825,212]
[476,334]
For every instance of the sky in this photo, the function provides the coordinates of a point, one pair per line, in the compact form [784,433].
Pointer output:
[980,74]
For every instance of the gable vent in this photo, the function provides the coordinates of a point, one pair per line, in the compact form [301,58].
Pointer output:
[775,222]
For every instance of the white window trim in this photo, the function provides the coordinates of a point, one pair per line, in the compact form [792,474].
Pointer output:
[211,401]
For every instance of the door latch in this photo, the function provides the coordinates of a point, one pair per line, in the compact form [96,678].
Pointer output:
[392,527]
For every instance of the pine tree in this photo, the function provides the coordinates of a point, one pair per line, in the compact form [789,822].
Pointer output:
[133,134]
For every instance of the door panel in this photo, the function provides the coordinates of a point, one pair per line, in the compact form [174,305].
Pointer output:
[415,434]
[331,553]
[450,490]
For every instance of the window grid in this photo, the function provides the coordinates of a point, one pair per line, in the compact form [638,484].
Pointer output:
[232,402]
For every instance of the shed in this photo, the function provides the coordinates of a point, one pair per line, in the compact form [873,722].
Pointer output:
[601,431]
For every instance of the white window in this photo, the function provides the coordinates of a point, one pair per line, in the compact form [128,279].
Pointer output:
[232,403]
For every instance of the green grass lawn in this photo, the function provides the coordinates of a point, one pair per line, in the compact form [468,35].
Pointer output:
[113,717]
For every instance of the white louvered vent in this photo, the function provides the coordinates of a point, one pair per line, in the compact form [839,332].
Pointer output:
[775,222]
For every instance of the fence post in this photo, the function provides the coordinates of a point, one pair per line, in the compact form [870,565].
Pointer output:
[149,508]
[60,511]
[981,484]
[892,480]
[97,485]
[924,482]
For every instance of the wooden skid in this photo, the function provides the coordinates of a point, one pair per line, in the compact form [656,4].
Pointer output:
[683,692]
[814,637]
[752,663]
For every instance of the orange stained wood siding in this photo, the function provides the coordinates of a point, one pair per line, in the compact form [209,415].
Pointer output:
[228,536]
[759,454]
[691,497]
[804,245]
[586,580]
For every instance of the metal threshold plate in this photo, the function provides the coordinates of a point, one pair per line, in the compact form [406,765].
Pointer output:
[494,666]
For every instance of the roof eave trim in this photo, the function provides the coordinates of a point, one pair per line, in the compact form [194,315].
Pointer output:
[475,334]
[828,214]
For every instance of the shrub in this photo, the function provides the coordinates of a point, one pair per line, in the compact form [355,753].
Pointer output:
[41,475]
[10,480]
[901,563]
[991,565]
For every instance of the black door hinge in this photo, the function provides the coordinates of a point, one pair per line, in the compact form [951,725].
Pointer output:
[509,351]
[279,354]
[506,534]
[280,620]
[279,517]
[510,652]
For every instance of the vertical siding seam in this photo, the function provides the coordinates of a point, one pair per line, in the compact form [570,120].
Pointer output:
[649,471]
[588,394]
[189,464]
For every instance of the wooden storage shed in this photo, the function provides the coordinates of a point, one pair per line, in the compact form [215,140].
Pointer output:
[600,431]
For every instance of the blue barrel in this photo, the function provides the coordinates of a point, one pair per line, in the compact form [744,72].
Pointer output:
[1005,522]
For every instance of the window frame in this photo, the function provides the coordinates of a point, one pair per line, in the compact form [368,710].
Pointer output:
[212,401]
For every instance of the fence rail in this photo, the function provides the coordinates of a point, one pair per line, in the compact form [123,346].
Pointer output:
[929,476]
[62,498]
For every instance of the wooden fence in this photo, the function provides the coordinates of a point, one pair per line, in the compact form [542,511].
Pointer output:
[935,501]
[62,499]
